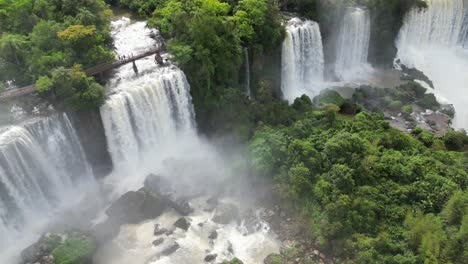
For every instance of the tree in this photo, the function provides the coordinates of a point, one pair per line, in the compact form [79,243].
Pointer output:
[12,48]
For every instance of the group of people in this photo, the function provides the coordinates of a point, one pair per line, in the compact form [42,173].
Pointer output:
[124,57]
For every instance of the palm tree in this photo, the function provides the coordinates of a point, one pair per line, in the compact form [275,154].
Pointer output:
[12,45]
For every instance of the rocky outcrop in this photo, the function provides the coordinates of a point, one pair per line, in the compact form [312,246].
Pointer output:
[170,249]
[134,207]
[131,208]
[182,223]
[210,257]
[158,242]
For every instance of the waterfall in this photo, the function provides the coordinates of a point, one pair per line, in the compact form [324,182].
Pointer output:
[42,166]
[247,73]
[433,40]
[302,59]
[353,44]
[146,110]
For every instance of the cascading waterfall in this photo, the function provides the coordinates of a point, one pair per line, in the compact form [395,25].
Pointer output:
[42,166]
[302,59]
[149,123]
[353,45]
[247,73]
[433,40]
[148,109]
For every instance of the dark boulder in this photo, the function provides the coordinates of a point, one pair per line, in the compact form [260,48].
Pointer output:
[158,230]
[210,257]
[170,249]
[182,206]
[158,242]
[158,185]
[134,207]
[213,235]
[182,223]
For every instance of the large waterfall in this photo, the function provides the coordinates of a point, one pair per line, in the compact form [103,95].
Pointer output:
[353,45]
[302,59]
[42,166]
[150,128]
[148,109]
[434,40]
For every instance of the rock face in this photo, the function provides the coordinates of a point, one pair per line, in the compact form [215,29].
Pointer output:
[158,241]
[171,249]
[41,251]
[213,235]
[210,257]
[134,207]
[225,214]
[182,206]
[182,223]
[131,208]
[159,231]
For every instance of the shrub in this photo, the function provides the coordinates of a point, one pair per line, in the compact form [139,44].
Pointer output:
[329,97]
[427,138]
[74,250]
[455,140]
[429,101]
[407,109]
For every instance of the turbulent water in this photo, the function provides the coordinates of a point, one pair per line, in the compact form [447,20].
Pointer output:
[434,40]
[353,45]
[42,166]
[150,127]
[302,59]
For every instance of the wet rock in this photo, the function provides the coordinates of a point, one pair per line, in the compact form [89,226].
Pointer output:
[210,257]
[230,248]
[134,207]
[158,230]
[157,184]
[41,251]
[213,235]
[182,207]
[226,213]
[171,249]
[158,241]
[182,223]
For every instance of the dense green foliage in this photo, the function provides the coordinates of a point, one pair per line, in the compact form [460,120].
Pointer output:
[72,87]
[38,36]
[373,194]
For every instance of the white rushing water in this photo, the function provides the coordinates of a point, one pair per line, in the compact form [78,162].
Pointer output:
[149,125]
[42,169]
[146,109]
[434,40]
[353,45]
[302,60]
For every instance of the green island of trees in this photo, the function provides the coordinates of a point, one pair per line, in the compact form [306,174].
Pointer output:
[40,37]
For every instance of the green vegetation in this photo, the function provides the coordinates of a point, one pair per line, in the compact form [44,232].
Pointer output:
[373,194]
[38,37]
[72,87]
[74,250]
